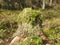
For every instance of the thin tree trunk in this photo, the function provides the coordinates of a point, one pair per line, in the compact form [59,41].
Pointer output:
[50,4]
[43,6]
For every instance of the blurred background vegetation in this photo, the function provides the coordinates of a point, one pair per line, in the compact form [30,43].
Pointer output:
[15,12]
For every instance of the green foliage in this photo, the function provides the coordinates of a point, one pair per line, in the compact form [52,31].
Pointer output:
[8,24]
[28,15]
[53,33]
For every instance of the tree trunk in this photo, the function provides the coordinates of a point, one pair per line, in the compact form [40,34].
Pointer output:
[50,4]
[43,6]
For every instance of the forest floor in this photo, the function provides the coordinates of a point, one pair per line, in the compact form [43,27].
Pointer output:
[51,24]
